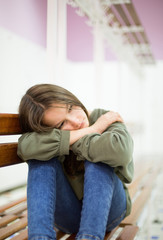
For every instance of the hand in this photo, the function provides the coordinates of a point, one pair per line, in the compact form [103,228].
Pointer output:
[104,121]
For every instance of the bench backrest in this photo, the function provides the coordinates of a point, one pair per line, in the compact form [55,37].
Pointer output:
[9,125]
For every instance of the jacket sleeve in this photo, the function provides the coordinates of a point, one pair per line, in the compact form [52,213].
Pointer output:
[43,146]
[113,147]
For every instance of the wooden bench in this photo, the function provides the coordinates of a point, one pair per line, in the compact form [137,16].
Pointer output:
[13,215]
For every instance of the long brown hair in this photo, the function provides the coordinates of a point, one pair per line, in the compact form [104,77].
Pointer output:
[39,98]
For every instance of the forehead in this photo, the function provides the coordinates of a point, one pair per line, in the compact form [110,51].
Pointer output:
[55,113]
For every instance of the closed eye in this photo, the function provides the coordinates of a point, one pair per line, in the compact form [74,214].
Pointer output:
[69,108]
[61,125]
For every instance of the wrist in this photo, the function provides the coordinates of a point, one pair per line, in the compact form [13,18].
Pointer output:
[96,128]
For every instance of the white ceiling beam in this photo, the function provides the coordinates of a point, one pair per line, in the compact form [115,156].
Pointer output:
[61,39]
[51,41]
[56,39]
[128,29]
[99,58]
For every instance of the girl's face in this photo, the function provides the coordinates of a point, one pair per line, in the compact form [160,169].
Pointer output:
[65,117]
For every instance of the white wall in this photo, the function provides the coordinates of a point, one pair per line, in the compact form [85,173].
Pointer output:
[153,111]
[22,64]
[139,100]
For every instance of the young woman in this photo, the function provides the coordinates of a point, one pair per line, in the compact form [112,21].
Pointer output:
[78,163]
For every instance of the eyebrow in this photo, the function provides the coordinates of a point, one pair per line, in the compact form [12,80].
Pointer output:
[56,107]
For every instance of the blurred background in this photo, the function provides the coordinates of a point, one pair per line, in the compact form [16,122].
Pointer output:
[108,53]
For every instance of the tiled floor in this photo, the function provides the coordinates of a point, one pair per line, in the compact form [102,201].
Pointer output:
[150,222]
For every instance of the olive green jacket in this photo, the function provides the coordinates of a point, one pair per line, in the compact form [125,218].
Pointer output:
[113,147]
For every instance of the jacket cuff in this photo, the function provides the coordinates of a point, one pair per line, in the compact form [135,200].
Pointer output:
[64,143]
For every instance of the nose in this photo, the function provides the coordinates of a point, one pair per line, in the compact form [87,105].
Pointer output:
[74,123]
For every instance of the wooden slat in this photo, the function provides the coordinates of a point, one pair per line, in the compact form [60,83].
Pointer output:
[59,234]
[71,237]
[7,219]
[132,37]
[144,37]
[12,204]
[128,233]
[13,228]
[114,18]
[122,14]
[135,185]
[23,235]
[18,209]
[126,21]
[24,214]
[116,21]
[8,154]
[141,200]
[131,9]
[110,234]
[133,14]
[137,208]
[9,124]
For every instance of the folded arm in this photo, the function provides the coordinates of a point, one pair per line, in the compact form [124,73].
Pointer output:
[44,146]
[113,147]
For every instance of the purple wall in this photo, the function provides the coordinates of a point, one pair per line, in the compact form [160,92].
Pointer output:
[79,37]
[151,16]
[26,18]
[80,40]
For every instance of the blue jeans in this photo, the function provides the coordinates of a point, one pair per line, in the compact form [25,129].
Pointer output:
[52,202]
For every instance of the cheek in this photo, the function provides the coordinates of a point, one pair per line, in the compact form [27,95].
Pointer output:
[49,121]
[87,123]
[67,127]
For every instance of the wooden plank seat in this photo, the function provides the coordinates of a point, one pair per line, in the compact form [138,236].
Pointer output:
[140,190]
[13,216]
